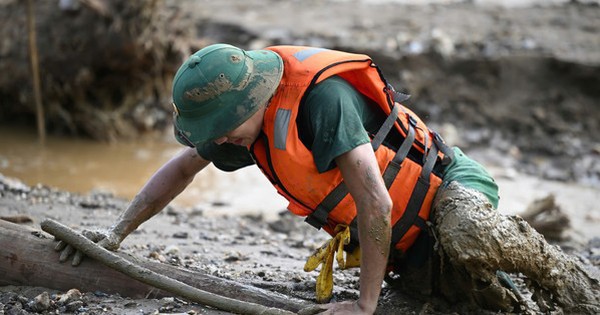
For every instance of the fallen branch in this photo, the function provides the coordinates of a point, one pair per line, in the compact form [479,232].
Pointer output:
[150,277]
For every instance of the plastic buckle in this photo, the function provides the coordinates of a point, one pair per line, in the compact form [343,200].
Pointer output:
[182,138]
[411,120]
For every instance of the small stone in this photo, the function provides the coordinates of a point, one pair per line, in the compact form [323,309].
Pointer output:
[235,256]
[171,250]
[157,256]
[41,302]
[23,299]
[70,296]
[182,235]
[14,309]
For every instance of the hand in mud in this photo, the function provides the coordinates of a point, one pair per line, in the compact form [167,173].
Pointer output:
[105,239]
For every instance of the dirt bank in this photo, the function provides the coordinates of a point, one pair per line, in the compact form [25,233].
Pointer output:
[521,81]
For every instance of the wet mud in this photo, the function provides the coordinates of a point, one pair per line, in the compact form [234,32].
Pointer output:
[270,254]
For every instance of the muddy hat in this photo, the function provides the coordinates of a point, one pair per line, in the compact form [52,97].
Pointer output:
[219,87]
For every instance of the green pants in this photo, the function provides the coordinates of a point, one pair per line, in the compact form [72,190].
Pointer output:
[471,174]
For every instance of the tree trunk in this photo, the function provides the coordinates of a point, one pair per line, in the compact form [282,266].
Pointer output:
[27,258]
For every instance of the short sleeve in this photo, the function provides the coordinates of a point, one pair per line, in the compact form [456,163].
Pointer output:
[330,121]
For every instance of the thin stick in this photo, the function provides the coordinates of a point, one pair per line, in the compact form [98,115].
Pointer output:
[33,58]
[150,277]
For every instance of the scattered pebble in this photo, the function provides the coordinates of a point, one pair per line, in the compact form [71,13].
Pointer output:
[70,296]
[181,235]
[41,302]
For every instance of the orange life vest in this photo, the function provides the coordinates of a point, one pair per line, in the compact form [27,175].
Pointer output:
[323,197]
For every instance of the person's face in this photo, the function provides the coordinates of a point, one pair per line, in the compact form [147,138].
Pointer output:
[247,132]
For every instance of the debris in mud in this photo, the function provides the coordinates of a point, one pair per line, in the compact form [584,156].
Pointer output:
[25,300]
[19,219]
[547,218]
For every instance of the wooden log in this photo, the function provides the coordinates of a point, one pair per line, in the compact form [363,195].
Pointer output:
[27,258]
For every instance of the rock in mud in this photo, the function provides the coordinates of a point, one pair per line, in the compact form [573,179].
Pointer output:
[41,302]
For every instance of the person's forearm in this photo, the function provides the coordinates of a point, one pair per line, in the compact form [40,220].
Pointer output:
[363,178]
[144,205]
[166,184]
[374,236]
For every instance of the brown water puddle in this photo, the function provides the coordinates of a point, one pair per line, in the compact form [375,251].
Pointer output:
[80,165]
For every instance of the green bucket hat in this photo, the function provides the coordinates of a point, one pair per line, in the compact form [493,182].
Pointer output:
[218,88]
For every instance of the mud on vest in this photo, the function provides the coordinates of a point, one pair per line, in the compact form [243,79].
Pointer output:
[323,197]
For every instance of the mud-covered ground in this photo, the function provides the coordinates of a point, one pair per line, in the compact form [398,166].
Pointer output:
[431,51]
[249,249]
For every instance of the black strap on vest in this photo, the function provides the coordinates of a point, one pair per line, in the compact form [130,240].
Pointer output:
[385,127]
[393,167]
[411,213]
[319,217]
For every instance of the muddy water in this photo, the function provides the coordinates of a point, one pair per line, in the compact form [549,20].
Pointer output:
[122,169]
[81,166]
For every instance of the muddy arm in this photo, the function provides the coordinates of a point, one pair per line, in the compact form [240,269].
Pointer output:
[166,184]
[373,203]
